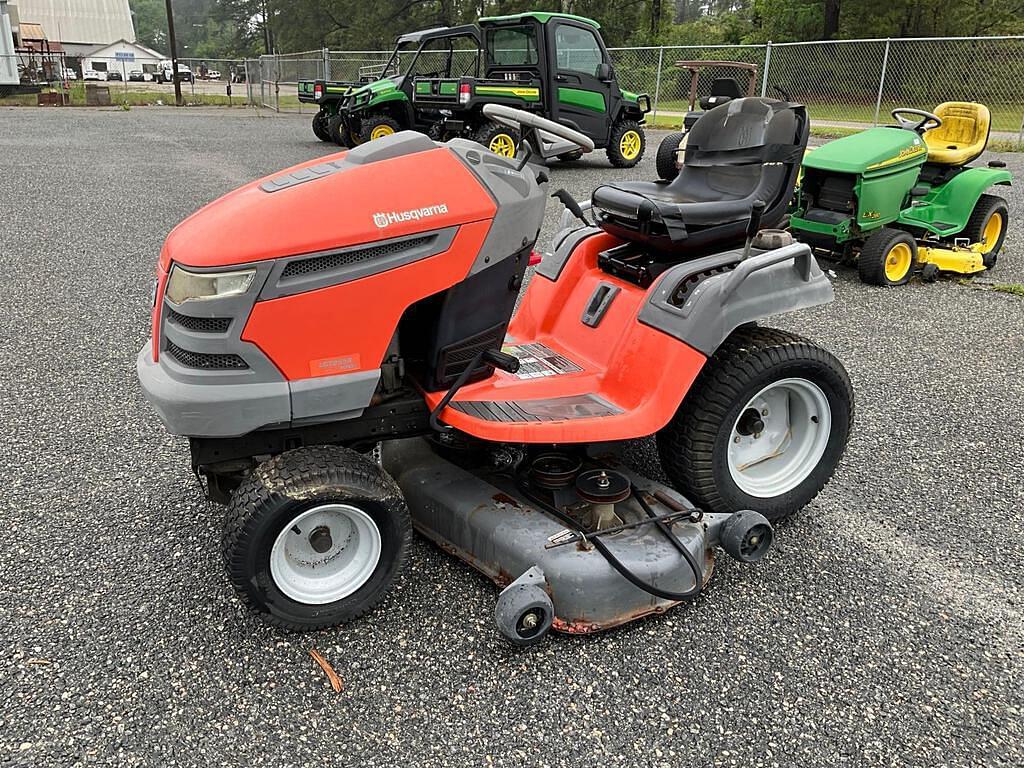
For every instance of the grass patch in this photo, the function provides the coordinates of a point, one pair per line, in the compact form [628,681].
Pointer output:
[120,97]
[1014,289]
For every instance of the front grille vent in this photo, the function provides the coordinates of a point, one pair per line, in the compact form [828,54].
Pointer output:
[199,324]
[204,361]
[454,358]
[332,261]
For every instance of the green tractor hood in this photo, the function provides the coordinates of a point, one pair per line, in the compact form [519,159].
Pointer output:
[377,92]
[875,150]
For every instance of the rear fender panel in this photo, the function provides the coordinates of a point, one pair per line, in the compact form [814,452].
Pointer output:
[953,202]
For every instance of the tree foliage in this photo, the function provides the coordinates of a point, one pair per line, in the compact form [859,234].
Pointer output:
[234,28]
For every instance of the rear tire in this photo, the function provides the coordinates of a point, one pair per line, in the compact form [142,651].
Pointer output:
[314,537]
[887,257]
[571,157]
[320,126]
[626,144]
[498,139]
[801,397]
[982,218]
[667,158]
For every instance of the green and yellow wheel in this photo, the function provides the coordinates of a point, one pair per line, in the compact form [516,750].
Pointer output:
[377,127]
[887,257]
[626,144]
[987,226]
[499,139]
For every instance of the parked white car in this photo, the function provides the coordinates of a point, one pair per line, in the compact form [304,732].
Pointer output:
[213,74]
[92,74]
[70,74]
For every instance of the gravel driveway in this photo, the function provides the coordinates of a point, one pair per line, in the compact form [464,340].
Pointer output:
[885,629]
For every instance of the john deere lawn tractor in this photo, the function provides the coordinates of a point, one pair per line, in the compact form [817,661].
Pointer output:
[903,199]
[380,104]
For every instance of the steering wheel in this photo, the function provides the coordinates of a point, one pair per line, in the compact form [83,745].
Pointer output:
[927,122]
[518,118]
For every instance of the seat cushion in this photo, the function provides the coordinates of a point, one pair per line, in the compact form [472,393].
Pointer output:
[698,205]
[962,136]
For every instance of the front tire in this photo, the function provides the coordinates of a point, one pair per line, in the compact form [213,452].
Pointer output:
[377,127]
[988,224]
[763,426]
[320,126]
[887,257]
[337,130]
[314,537]
[667,159]
[626,144]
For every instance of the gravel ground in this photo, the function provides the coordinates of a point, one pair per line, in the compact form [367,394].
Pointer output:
[885,629]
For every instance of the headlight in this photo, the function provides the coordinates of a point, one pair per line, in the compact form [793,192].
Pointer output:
[184,286]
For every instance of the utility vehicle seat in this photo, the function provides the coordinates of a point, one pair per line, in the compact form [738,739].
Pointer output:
[723,89]
[963,134]
[746,150]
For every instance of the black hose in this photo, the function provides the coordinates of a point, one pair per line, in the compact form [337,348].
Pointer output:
[614,562]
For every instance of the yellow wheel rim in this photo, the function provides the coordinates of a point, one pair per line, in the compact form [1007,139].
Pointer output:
[897,262]
[993,229]
[629,145]
[381,131]
[503,145]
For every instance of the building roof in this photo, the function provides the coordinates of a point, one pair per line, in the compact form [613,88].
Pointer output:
[80,21]
[122,44]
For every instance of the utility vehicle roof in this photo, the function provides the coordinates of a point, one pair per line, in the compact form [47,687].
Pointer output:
[541,16]
[436,32]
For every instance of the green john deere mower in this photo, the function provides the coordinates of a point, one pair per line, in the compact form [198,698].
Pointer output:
[903,199]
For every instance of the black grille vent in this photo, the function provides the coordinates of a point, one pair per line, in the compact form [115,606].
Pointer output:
[332,261]
[454,359]
[205,361]
[199,324]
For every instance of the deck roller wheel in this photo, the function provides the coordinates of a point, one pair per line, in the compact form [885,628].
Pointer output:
[524,611]
[747,536]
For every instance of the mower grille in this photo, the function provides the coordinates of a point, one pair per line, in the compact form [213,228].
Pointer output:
[205,361]
[333,261]
[199,324]
[454,359]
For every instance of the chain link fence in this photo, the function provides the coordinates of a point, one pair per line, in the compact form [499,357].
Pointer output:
[851,83]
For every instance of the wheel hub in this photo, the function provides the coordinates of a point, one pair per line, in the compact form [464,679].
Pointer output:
[779,437]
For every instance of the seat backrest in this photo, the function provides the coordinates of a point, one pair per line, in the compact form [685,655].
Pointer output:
[963,134]
[748,148]
[726,86]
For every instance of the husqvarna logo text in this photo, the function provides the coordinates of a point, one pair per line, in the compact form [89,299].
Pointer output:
[386,218]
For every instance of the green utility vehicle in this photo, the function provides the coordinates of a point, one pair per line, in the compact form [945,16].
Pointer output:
[903,199]
[379,104]
[555,65]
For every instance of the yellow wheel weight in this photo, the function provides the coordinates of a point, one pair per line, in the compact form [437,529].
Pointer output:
[629,145]
[898,262]
[993,229]
[503,145]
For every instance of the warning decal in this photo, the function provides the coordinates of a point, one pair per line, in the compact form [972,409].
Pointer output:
[537,361]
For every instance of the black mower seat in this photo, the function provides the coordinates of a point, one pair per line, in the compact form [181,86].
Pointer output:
[723,89]
[746,150]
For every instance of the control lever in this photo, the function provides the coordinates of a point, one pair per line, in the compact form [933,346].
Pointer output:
[570,203]
[753,226]
[493,357]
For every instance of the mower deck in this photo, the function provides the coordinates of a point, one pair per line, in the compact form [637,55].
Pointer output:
[486,518]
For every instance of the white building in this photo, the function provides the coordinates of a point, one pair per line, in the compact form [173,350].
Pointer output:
[123,57]
[8,63]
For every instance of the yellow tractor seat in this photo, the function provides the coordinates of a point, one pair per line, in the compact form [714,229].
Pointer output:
[963,134]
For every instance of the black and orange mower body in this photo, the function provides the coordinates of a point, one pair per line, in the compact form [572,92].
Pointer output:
[368,372]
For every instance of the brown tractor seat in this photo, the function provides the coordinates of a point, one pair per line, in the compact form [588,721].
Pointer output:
[963,134]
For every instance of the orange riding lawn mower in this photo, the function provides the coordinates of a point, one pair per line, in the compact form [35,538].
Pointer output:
[367,374]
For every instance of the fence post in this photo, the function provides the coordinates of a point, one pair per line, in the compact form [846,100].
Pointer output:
[881,81]
[657,83]
[326,53]
[767,63]
[1020,135]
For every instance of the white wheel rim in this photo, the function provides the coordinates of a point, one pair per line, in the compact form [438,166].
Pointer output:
[797,423]
[351,546]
